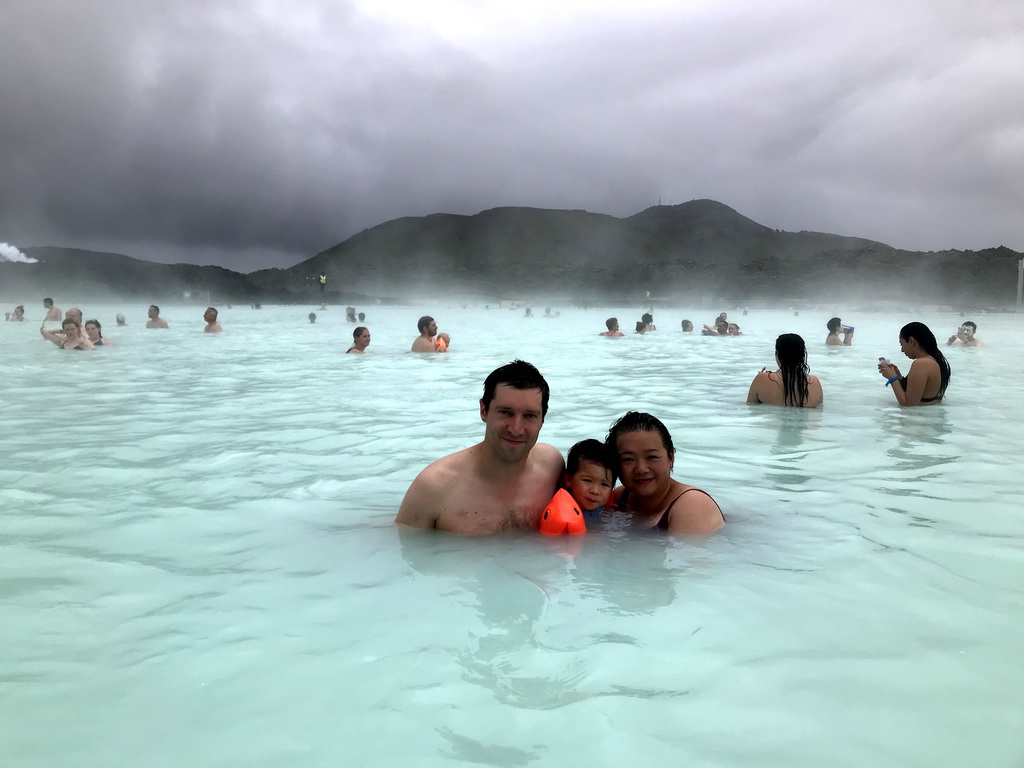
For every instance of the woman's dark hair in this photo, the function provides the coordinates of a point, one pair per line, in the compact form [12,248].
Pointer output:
[926,340]
[833,324]
[647,317]
[792,354]
[636,421]
[358,332]
[518,374]
[99,328]
[640,326]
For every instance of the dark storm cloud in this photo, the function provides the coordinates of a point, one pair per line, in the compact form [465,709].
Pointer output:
[253,134]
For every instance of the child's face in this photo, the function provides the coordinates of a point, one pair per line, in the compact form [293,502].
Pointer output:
[590,485]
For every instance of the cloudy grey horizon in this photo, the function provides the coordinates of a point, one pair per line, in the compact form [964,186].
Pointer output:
[253,135]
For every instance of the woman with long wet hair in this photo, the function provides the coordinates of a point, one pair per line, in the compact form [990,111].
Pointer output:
[926,382]
[792,384]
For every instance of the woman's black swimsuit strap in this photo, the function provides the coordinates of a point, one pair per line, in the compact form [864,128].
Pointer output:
[663,522]
[935,399]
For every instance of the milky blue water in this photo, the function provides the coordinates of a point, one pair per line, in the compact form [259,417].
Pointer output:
[198,564]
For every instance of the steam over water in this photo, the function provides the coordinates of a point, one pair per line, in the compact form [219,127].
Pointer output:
[198,564]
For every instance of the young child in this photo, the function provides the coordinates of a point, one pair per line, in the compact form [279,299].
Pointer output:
[589,478]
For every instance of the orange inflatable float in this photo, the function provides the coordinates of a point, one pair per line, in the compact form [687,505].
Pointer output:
[562,515]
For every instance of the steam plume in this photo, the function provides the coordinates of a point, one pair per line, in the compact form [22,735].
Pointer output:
[9,253]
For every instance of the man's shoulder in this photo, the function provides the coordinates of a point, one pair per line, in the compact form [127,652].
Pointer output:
[547,456]
[421,344]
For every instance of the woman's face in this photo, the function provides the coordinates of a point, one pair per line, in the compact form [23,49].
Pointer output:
[70,332]
[92,332]
[363,340]
[645,463]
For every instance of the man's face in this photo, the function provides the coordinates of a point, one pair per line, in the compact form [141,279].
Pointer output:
[74,314]
[210,316]
[513,421]
[968,331]
[432,328]
[152,312]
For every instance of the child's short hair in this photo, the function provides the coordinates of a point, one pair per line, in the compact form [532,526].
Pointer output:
[591,450]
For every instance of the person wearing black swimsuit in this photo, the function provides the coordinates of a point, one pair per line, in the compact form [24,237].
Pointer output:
[928,378]
[69,337]
[643,448]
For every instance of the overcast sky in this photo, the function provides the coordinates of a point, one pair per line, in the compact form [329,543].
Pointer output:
[255,133]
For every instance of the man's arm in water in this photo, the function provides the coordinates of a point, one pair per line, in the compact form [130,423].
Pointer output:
[422,504]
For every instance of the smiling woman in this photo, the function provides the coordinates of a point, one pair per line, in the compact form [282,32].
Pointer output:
[646,458]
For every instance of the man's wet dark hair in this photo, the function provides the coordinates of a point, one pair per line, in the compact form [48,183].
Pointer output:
[590,450]
[647,317]
[154,306]
[518,374]
[833,324]
[423,322]
[47,302]
[971,323]
[611,322]
[636,421]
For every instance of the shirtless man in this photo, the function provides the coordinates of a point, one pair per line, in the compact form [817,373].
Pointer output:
[52,312]
[425,341]
[612,324]
[501,483]
[155,321]
[210,316]
[964,336]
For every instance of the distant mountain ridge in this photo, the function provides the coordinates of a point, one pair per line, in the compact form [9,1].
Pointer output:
[701,248]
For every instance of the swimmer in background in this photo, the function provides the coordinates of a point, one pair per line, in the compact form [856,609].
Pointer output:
[721,328]
[964,336]
[362,317]
[120,319]
[589,478]
[18,315]
[52,312]
[350,314]
[687,326]
[94,332]
[425,341]
[612,323]
[210,316]
[641,327]
[69,337]
[928,378]
[835,327]
[792,384]
[312,317]
[503,482]
[155,321]
[360,341]
[648,321]
[733,330]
